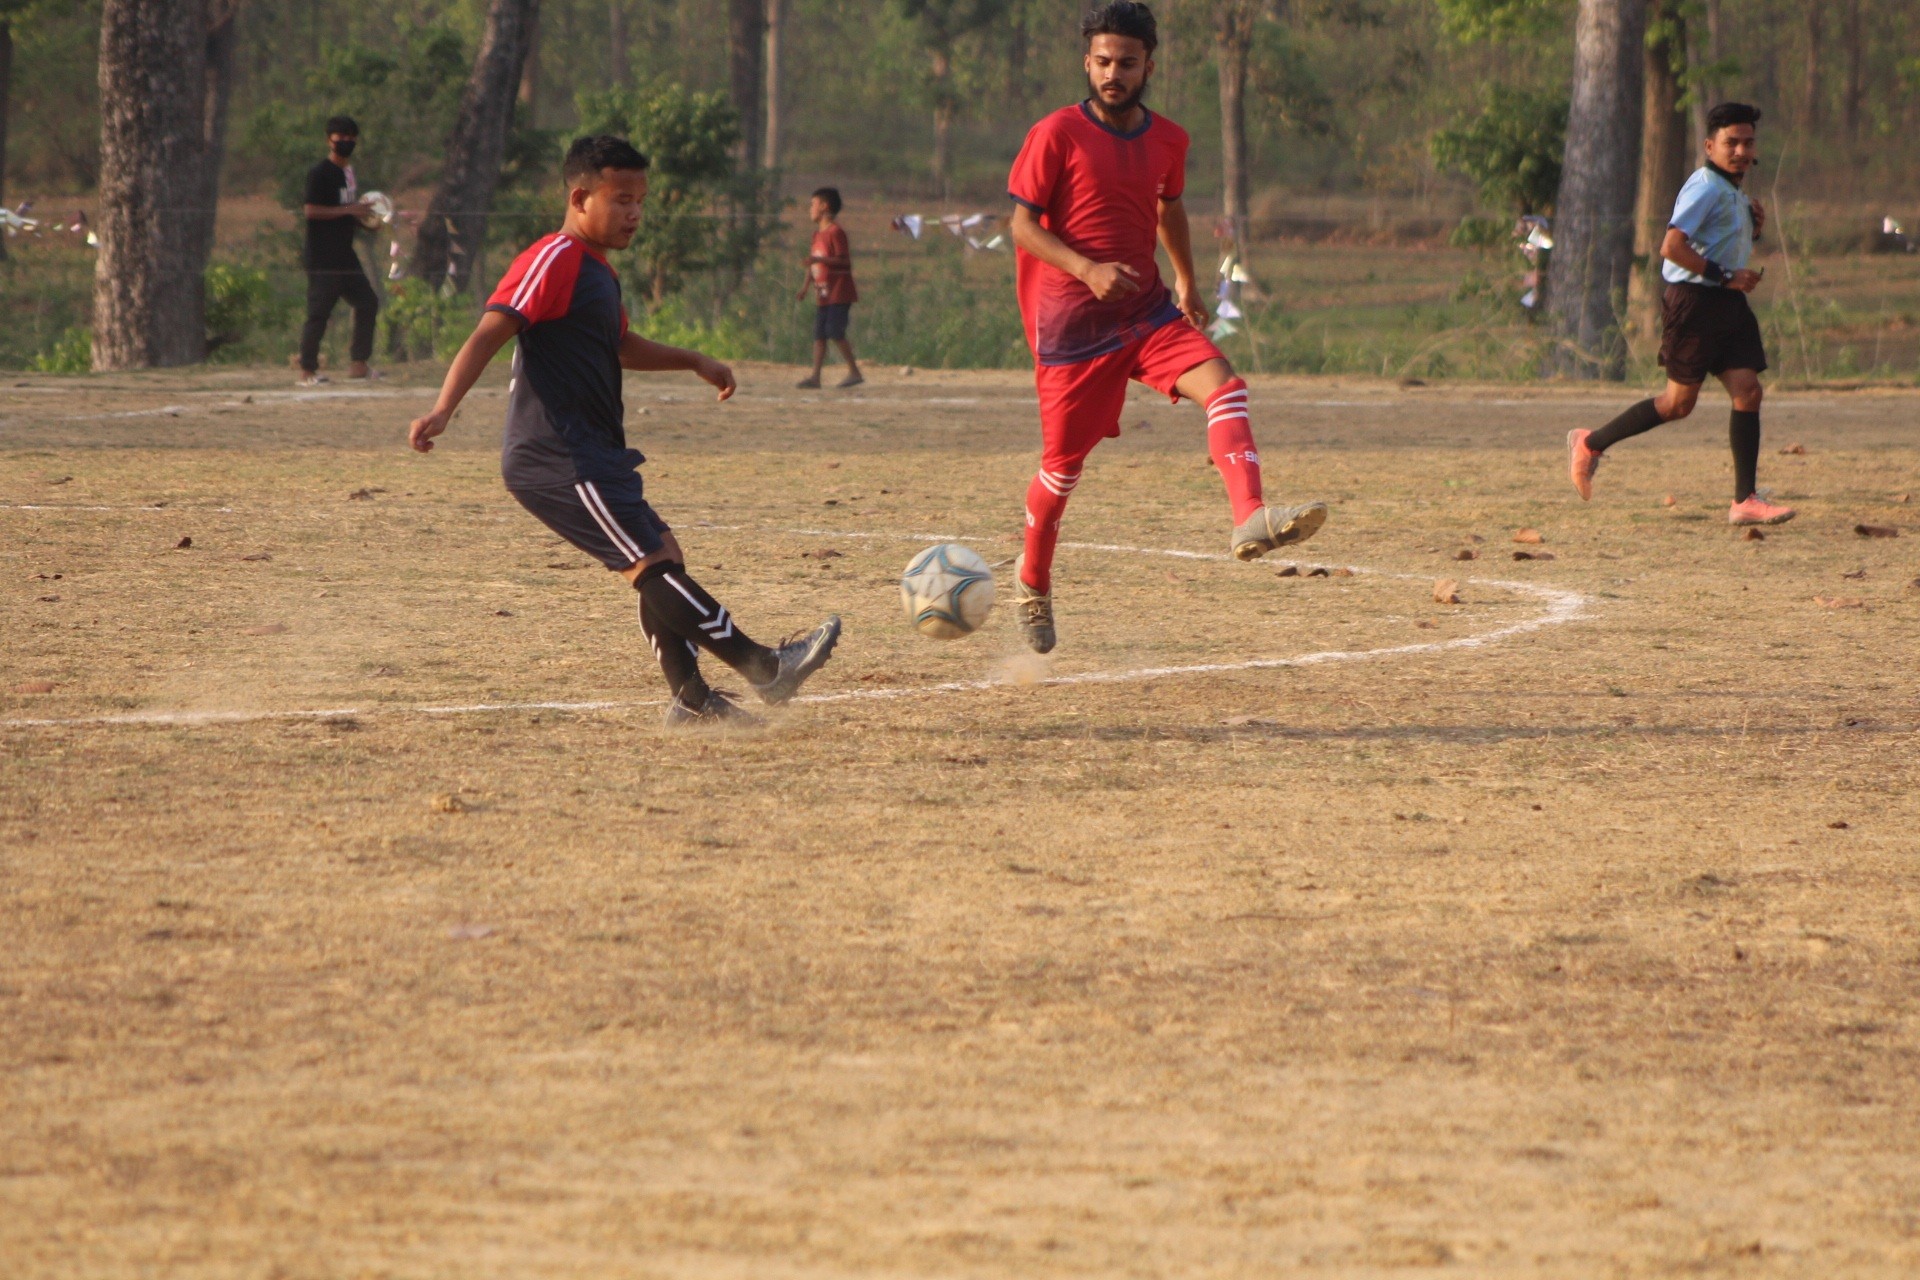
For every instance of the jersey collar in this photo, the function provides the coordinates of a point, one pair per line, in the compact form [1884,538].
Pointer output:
[586,248]
[1086,109]
[1733,180]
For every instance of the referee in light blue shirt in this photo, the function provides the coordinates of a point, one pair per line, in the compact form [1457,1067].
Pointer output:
[1707,326]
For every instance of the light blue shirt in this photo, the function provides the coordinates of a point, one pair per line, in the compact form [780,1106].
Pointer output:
[1717,218]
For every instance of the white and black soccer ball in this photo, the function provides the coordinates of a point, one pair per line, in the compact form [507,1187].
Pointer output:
[947,591]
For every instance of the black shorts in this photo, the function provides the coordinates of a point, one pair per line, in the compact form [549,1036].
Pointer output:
[830,321]
[1708,329]
[609,520]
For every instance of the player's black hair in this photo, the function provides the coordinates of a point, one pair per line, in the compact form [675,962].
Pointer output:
[832,196]
[342,125]
[1121,18]
[1731,113]
[588,156]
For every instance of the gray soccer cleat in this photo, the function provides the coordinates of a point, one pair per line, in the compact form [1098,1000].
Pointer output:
[1271,528]
[1036,613]
[716,707]
[800,656]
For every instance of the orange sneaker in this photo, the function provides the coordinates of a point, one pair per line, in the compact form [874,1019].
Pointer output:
[1582,462]
[1757,510]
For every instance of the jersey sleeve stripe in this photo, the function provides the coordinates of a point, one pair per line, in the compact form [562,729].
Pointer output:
[537,272]
[1028,203]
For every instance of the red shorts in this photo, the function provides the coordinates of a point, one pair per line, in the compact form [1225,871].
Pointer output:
[1081,403]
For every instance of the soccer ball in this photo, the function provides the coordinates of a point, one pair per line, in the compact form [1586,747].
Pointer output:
[947,591]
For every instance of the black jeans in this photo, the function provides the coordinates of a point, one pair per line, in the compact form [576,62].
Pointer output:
[324,289]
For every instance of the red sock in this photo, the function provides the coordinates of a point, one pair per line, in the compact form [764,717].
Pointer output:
[1046,501]
[1230,441]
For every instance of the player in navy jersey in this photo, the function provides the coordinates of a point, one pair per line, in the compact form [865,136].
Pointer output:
[565,455]
[1094,187]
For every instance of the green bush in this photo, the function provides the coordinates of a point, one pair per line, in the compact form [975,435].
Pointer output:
[71,353]
[1512,148]
[241,305]
[421,322]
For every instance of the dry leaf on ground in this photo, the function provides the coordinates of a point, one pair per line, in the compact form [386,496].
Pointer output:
[1446,591]
[1530,536]
[1876,530]
[1795,448]
[1840,602]
[34,686]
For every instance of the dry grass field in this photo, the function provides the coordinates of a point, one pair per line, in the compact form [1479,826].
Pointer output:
[1568,930]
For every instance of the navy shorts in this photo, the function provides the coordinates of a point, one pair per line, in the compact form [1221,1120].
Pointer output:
[1708,329]
[830,321]
[609,520]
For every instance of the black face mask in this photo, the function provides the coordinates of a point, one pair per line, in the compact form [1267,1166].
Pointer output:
[344,147]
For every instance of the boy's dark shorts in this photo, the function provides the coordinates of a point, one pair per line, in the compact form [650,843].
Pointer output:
[607,519]
[1708,329]
[830,321]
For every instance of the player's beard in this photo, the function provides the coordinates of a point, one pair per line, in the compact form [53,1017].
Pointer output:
[1133,100]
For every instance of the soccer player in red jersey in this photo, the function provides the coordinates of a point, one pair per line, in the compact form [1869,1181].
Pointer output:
[564,454]
[1094,186]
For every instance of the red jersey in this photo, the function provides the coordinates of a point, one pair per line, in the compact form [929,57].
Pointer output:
[1099,190]
[833,285]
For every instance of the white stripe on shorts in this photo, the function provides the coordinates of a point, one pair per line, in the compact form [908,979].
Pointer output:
[597,508]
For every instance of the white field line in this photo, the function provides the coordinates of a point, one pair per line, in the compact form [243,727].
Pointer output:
[1562,606]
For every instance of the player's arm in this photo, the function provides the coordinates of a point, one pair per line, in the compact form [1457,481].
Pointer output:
[322,212]
[645,356]
[1108,280]
[493,332]
[1678,250]
[1176,237]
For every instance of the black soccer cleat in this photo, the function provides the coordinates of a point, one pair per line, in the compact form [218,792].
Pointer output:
[799,656]
[715,707]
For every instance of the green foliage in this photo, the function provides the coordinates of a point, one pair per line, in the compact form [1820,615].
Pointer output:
[1512,149]
[72,353]
[1469,20]
[240,302]
[420,322]
[1475,232]
[701,216]
[404,100]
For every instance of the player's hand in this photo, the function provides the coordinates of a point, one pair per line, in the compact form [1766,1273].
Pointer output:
[718,375]
[1759,216]
[1743,280]
[1192,305]
[420,435]
[1111,280]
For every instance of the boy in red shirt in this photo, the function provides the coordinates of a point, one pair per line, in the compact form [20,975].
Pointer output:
[1093,188]
[830,277]
[564,454]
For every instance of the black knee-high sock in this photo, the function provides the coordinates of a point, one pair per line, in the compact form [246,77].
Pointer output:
[683,606]
[1642,417]
[1743,432]
[679,660]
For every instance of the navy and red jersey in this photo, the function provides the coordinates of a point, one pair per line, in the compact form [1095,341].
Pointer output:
[565,417]
[1099,190]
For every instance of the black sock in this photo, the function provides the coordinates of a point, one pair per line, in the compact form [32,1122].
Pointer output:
[1642,417]
[1743,432]
[683,607]
[679,660]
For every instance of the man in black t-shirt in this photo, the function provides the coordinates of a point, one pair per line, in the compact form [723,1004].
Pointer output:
[334,208]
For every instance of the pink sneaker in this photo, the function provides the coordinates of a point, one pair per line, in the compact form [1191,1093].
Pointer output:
[1757,510]
[1582,462]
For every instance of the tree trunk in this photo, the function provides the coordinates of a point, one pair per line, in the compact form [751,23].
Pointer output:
[943,113]
[149,288]
[528,93]
[619,69]
[774,154]
[1593,217]
[1852,35]
[453,232]
[6,93]
[223,38]
[1664,156]
[746,38]
[1232,41]
[1811,112]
